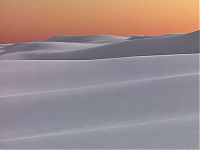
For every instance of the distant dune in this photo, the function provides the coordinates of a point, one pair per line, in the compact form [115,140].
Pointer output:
[166,45]
[46,47]
[96,47]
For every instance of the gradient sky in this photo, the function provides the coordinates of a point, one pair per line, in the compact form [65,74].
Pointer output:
[28,20]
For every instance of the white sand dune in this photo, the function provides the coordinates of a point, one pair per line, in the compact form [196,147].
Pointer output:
[101,92]
[21,50]
[123,47]
[57,45]
[3,45]
[136,102]
[164,45]
[52,75]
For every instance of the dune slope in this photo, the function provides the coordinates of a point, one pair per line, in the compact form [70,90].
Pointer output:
[136,102]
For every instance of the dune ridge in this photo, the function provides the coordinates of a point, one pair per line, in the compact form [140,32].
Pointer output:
[88,39]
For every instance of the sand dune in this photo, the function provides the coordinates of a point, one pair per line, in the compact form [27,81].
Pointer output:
[100,103]
[146,135]
[4,45]
[50,75]
[165,45]
[101,92]
[55,46]
[134,46]
[20,50]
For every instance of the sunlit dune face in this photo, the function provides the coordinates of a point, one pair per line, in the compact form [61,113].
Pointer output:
[27,20]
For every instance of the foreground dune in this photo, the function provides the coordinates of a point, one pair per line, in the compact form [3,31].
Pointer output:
[136,102]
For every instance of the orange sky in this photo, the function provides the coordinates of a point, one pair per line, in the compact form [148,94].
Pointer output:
[28,20]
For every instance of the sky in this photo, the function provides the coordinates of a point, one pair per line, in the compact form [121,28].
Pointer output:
[29,20]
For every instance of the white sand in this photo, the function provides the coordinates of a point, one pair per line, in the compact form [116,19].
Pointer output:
[149,101]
